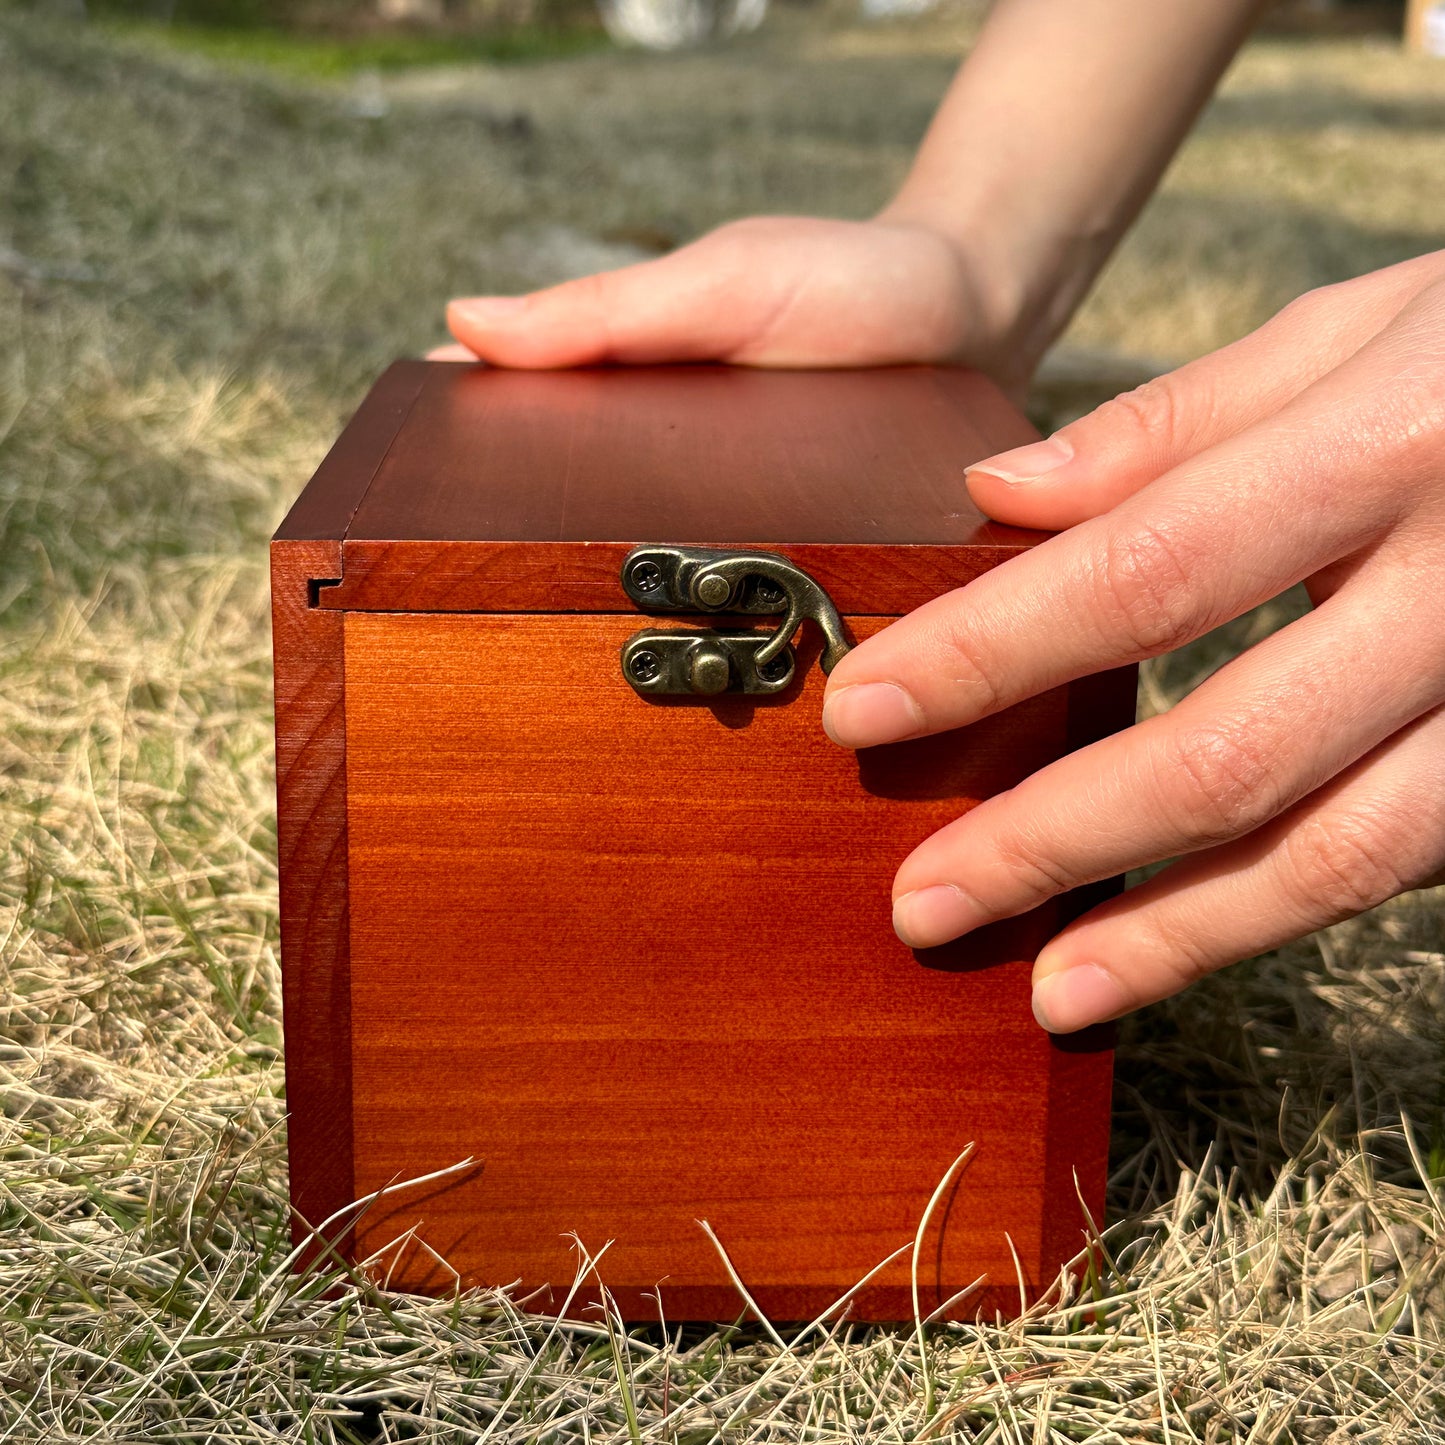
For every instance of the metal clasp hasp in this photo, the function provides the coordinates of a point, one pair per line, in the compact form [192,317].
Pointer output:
[704,579]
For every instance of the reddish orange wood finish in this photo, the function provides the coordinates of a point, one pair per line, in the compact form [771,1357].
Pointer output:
[311,800]
[680,453]
[634,957]
[311,847]
[563,577]
[859,473]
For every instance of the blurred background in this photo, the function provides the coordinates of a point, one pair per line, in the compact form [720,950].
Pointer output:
[656,24]
[387,153]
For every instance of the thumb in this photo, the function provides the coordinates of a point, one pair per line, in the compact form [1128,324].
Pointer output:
[1094,463]
[688,306]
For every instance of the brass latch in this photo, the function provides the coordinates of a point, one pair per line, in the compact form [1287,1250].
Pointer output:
[701,579]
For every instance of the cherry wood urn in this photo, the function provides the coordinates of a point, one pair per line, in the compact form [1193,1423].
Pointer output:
[585,923]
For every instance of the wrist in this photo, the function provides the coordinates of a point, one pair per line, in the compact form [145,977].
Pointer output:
[1024,277]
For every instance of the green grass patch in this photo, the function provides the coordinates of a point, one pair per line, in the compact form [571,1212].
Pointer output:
[316,56]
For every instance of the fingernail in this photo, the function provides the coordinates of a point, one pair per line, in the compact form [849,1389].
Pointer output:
[930,916]
[1027,464]
[484,310]
[869,713]
[1073,998]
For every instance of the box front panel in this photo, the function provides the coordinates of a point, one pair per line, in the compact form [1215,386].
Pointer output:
[634,959]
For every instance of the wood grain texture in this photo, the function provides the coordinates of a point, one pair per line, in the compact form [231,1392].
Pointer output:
[567,577]
[311,858]
[671,453]
[468,489]
[310,705]
[634,956]
[635,959]
[326,506]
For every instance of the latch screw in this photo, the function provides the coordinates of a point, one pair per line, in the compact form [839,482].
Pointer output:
[777,668]
[644,665]
[646,577]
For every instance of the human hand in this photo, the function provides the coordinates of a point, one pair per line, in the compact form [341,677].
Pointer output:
[1305,781]
[767,291]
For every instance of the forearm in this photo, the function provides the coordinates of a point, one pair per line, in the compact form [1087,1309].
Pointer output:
[1053,135]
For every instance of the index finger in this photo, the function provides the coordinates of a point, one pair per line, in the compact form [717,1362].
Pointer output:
[1224,531]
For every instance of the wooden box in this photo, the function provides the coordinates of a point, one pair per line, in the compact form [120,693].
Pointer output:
[630,953]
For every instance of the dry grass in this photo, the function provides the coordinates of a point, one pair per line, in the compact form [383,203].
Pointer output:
[198,273]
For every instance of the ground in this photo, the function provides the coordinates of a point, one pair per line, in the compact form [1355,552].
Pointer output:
[201,267]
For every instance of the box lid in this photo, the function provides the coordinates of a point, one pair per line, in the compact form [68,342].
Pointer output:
[463,487]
